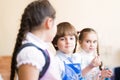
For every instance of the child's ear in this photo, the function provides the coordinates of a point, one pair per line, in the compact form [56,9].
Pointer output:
[49,23]
[80,41]
[55,45]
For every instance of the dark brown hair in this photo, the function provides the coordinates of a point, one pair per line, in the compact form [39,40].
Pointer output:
[63,29]
[33,15]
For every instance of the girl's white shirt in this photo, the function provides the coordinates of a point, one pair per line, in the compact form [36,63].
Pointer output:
[85,59]
[1,78]
[31,55]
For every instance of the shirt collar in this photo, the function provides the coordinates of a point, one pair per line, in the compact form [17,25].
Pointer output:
[62,54]
[31,38]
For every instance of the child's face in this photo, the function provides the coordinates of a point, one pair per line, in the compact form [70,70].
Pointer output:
[89,43]
[52,30]
[66,44]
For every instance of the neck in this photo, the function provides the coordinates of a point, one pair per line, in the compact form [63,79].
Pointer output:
[67,54]
[87,51]
[39,34]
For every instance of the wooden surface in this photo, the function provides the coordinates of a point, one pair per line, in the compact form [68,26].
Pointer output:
[5,62]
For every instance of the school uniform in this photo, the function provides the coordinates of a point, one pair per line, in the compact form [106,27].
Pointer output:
[69,68]
[33,56]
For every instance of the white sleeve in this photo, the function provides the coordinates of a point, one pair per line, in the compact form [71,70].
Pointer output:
[31,55]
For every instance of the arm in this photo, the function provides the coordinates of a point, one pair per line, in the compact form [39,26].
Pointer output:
[94,63]
[87,69]
[28,72]
[106,73]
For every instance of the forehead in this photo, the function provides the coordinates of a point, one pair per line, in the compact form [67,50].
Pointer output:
[90,36]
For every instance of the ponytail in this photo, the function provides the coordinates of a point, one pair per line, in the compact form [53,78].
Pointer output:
[34,14]
[20,37]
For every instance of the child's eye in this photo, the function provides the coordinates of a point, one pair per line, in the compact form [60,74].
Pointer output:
[62,38]
[88,41]
[95,41]
[71,38]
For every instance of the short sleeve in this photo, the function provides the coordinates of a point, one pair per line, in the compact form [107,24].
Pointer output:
[31,55]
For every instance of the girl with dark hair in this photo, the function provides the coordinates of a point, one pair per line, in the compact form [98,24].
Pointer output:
[36,29]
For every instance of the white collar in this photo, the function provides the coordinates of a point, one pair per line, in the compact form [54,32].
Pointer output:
[63,55]
[35,40]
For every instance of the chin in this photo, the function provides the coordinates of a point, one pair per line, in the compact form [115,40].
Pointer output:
[90,51]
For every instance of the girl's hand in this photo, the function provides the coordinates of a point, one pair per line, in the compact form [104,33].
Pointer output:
[95,62]
[106,73]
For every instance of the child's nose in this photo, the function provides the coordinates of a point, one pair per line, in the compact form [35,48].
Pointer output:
[92,44]
[67,40]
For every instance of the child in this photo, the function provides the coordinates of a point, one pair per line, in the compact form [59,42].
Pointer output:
[36,28]
[65,43]
[88,41]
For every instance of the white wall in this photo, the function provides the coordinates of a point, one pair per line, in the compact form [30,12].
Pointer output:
[10,15]
[102,15]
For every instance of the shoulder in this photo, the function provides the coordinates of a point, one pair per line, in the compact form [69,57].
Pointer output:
[30,52]
[31,55]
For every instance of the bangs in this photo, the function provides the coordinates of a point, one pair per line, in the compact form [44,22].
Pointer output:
[65,30]
[68,32]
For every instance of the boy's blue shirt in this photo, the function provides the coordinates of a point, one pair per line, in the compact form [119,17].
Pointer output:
[72,69]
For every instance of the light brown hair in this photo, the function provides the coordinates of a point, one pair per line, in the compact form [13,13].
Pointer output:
[63,29]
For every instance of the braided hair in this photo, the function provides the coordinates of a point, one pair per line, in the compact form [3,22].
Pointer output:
[81,36]
[33,16]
